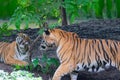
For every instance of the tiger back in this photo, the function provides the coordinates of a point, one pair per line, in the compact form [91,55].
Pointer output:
[16,52]
[79,54]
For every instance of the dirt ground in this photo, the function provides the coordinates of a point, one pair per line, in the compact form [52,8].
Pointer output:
[101,29]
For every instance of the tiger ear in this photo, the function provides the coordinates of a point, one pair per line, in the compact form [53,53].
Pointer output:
[19,34]
[47,31]
[18,38]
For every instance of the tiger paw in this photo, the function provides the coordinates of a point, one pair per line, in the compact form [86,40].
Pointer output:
[23,63]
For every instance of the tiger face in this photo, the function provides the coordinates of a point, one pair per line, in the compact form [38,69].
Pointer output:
[23,42]
[49,40]
[52,38]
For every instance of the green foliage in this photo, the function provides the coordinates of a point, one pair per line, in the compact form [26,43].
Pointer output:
[48,62]
[117,2]
[22,16]
[24,3]
[4,31]
[50,27]
[38,11]
[71,8]
[41,31]
[30,67]
[53,26]
[17,67]
[43,65]
[34,11]
[7,8]
[35,62]
[109,8]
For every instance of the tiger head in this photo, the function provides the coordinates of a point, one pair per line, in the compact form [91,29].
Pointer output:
[50,38]
[55,37]
[23,43]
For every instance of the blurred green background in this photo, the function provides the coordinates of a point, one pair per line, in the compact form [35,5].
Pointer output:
[82,8]
[7,8]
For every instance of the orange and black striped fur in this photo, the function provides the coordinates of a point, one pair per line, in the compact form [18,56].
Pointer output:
[17,52]
[77,54]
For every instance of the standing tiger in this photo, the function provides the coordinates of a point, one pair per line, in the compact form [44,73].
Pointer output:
[78,54]
[17,52]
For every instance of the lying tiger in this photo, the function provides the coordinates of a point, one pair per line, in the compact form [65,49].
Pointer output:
[78,54]
[17,52]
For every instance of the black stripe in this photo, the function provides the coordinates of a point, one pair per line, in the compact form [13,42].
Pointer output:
[83,64]
[61,56]
[69,58]
[93,43]
[97,58]
[79,45]
[93,67]
[62,34]
[73,42]
[104,63]
[77,48]
[88,59]
[59,41]
[17,47]
[90,49]
[99,48]
[104,52]
[106,42]
[66,38]
[86,42]
[82,54]
[115,45]
[63,60]
[112,51]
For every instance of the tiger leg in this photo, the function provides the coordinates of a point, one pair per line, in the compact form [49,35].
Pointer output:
[62,70]
[73,75]
[13,61]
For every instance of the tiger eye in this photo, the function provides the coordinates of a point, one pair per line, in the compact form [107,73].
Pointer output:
[47,32]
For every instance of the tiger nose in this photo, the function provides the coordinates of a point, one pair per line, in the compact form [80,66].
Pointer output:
[43,47]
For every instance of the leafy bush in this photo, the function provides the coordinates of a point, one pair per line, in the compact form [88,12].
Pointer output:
[44,64]
[31,11]
[48,62]
[38,11]
[18,75]
[4,31]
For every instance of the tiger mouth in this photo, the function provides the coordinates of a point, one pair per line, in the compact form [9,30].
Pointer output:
[43,47]
[24,49]
[46,46]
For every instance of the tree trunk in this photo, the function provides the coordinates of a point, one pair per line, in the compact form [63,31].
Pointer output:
[63,15]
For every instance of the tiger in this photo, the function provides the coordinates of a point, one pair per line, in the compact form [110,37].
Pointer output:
[16,52]
[81,54]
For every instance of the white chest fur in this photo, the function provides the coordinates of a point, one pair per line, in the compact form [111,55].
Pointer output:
[20,56]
